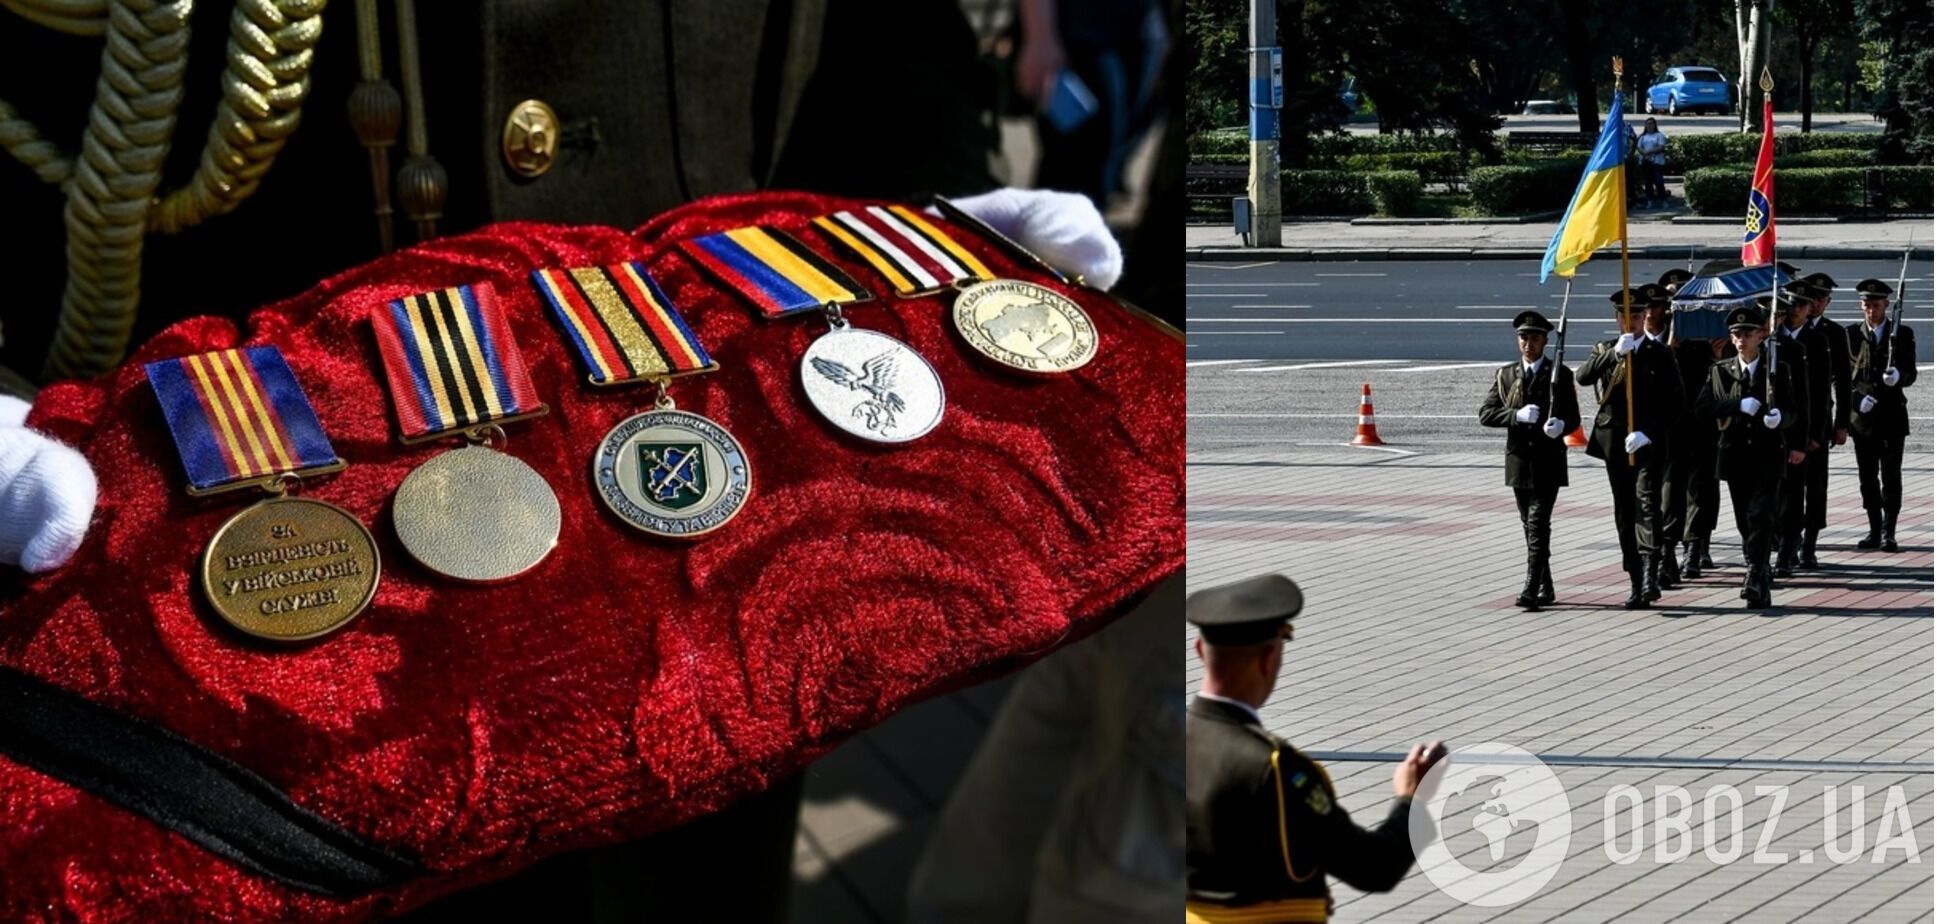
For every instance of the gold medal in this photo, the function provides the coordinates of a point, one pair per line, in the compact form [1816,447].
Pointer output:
[1024,326]
[474,514]
[290,568]
[477,515]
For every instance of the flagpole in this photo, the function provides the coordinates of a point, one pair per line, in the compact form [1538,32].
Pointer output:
[1626,286]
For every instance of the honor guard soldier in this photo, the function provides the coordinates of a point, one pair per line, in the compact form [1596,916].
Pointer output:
[1834,399]
[1750,403]
[1882,365]
[1790,313]
[1534,401]
[1659,327]
[1690,496]
[1808,355]
[1635,459]
[1264,826]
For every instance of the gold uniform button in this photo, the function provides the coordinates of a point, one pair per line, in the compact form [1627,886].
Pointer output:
[532,135]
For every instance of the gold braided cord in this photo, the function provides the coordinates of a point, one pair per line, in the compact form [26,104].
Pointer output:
[119,168]
[74,17]
[269,53]
[22,140]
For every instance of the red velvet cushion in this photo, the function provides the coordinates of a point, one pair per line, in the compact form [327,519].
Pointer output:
[629,683]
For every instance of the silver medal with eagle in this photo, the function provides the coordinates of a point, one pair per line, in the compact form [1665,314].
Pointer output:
[872,386]
[672,473]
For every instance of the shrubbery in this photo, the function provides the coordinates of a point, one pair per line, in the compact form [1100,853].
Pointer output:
[1326,192]
[1395,192]
[1516,190]
[1808,191]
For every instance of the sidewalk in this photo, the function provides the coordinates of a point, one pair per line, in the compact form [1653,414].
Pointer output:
[1409,565]
[1649,237]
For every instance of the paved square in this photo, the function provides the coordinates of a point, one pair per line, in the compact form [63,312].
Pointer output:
[1410,562]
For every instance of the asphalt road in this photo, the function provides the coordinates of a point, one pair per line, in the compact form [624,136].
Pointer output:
[1277,353]
[1447,311]
[1679,125]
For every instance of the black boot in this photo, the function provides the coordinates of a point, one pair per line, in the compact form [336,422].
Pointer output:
[1758,596]
[1707,561]
[1546,595]
[1637,599]
[1670,567]
[1691,567]
[1808,560]
[1889,531]
[1748,584]
[1529,597]
[1785,560]
[1650,581]
[1875,539]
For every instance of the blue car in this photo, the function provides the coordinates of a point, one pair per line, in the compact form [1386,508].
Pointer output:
[1691,89]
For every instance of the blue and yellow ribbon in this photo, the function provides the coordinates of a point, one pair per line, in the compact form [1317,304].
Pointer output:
[773,270]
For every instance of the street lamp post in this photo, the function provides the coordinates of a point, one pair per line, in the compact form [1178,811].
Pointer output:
[1265,103]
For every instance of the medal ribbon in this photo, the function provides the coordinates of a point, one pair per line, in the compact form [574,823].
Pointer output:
[238,414]
[451,361]
[911,251]
[774,270]
[621,323]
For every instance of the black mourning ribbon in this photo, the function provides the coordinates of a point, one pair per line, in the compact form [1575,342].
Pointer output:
[192,791]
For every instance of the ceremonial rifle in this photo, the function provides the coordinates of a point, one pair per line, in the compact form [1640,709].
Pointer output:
[1896,308]
[1559,351]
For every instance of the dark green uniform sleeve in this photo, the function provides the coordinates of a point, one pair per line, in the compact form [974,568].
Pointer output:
[1905,354]
[1596,367]
[1565,404]
[1839,375]
[1493,412]
[1373,860]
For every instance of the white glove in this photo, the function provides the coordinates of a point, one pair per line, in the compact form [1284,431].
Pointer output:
[1867,403]
[1891,377]
[1554,428]
[1773,418]
[1636,441]
[47,494]
[1064,229]
[1625,344]
[1751,406]
[1527,414]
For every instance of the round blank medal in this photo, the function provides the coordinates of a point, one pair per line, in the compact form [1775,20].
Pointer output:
[872,386]
[476,514]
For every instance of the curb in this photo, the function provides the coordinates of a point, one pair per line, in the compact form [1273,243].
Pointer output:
[1652,252]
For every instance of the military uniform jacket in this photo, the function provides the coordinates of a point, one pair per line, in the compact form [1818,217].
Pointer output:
[1266,830]
[1890,418]
[1532,459]
[1807,355]
[1748,447]
[1694,357]
[1659,402]
[1837,394]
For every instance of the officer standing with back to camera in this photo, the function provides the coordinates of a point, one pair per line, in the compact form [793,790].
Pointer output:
[1634,455]
[1264,825]
[1881,367]
[1537,406]
[1758,427]
[1659,327]
[1833,396]
[1691,497]
[1808,357]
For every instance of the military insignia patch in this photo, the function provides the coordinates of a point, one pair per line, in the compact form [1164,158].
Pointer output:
[1319,801]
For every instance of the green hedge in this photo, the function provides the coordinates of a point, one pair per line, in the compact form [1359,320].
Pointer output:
[1694,152]
[1518,190]
[1326,192]
[1808,191]
[1218,142]
[1430,167]
[1395,192]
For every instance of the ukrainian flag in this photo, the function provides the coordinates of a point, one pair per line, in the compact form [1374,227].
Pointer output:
[1599,208]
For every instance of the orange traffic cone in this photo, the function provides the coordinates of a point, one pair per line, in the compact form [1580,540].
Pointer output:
[1577,438]
[1366,422]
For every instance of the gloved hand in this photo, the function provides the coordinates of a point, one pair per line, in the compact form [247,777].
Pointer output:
[1773,418]
[1891,376]
[1063,228]
[1866,404]
[1625,344]
[1636,441]
[1555,428]
[47,494]
[1527,414]
[1751,406]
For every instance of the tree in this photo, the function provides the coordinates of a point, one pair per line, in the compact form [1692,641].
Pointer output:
[1217,35]
[1413,59]
[1904,30]
[1752,22]
[1813,21]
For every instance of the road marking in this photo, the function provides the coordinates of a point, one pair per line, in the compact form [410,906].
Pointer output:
[1453,366]
[1251,285]
[1232,266]
[1228,295]
[1492,321]
[1218,362]
[1333,365]
[1237,333]
[1350,275]
[1337,416]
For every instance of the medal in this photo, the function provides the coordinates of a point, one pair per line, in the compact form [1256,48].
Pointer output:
[668,472]
[474,514]
[865,383]
[1025,327]
[286,568]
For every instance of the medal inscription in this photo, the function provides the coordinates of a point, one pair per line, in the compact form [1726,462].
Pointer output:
[1024,326]
[290,569]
